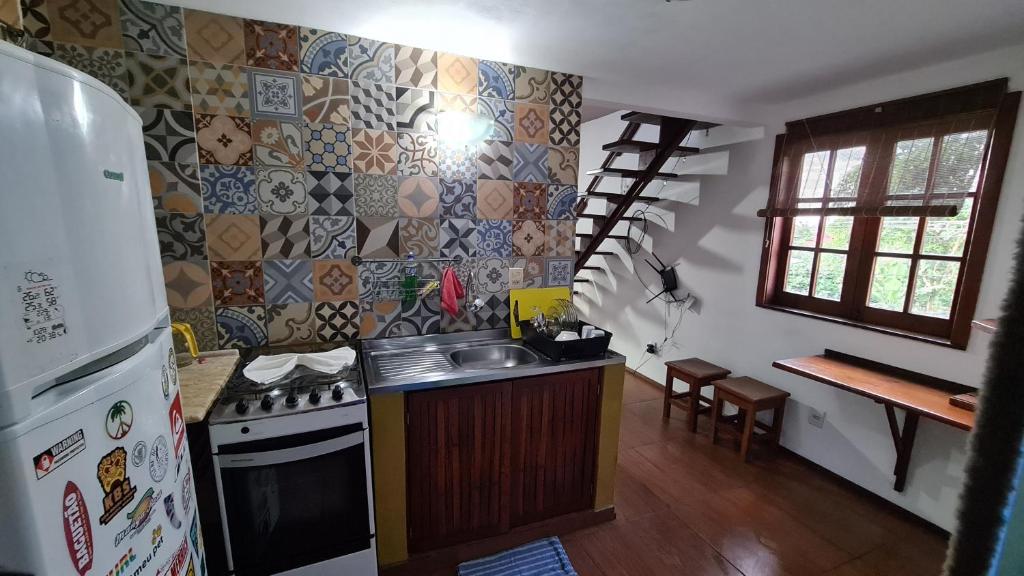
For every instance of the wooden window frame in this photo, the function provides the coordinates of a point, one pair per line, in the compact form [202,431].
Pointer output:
[842,130]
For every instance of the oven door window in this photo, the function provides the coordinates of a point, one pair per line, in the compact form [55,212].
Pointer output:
[295,501]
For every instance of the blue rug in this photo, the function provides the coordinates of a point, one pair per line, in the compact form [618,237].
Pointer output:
[541,558]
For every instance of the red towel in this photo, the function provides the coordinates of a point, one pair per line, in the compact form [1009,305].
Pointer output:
[451,291]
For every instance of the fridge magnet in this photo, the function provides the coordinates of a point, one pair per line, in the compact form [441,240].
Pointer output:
[177,431]
[139,517]
[77,529]
[42,312]
[186,493]
[123,564]
[172,514]
[139,453]
[118,490]
[119,419]
[158,458]
[157,540]
[172,367]
[176,563]
[197,544]
[59,453]
[191,569]
[165,383]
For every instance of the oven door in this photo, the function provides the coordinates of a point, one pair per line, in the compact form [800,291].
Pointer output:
[295,500]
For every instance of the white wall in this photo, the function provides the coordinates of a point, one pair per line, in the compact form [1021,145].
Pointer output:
[716,246]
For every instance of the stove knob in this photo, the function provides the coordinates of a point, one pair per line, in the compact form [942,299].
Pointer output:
[241,406]
[291,400]
[267,403]
[337,393]
[314,396]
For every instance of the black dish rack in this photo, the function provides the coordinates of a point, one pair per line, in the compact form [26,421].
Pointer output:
[564,350]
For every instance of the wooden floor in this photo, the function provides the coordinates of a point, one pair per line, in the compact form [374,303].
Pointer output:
[687,508]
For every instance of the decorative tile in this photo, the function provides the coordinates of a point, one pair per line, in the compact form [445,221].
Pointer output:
[233,237]
[242,327]
[219,88]
[563,164]
[457,161]
[228,190]
[105,64]
[565,126]
[497,80]
[415,67]
[332,237]
[494,199]
[380,319]
[456,74]
[85,22]
[372,274]
[290,324]
[529,201]
[528,238]
[377,236]
[325,147]
[175,187]
[561,238]
[337,321]
[491,275]
[530,162]
[277,143]
[532,123]
[274,95]
[271,45]
[422,316]
[503,113]
[10,14]
[494,314]
[372,106]
[281,191]
[152,28]
[204,327]
[419,236]
[214,38]
[35,19]
[188,284]
[495,160]
[414,110]
[323,53]
[325,99]
[417,154]
[532,85]
[464,321]
[458,238]
[376,195]
[559,272]
[494,238]
[169,135]
[373,151]
[284,237]
[237,283]
[181,236]
[41,47]
[562,202]
[157,81]
[224,140]
[458,198]
[371,61]
[566,90]
[533,271]
[288,281]
[418,197]
[330,194]
[463,103]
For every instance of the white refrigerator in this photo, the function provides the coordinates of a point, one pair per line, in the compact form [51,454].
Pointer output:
[95,476]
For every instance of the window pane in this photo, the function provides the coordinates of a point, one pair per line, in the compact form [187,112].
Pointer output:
[805,230]
[960,162]
[798,272]
[846,172]
[897,235]
[837,232]
[946,236]
[831,271]
[812,174]
[934,287]
[889,283]
[909,173]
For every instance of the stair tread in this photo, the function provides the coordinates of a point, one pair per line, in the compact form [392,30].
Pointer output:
[583,280]
[655,120]
[637,146]
[616,197]
[600,253]
[612,236]
[631,173]
[605,216]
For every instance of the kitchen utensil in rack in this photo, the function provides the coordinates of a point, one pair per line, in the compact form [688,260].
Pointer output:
[409,287]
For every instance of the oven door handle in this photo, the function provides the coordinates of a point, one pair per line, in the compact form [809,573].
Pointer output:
[294,454]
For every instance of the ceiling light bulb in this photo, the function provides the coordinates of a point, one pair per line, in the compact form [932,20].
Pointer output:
[455,127]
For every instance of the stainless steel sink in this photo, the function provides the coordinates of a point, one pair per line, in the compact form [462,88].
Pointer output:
[494,356]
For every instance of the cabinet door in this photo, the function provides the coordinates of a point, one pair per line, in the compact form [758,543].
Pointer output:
[458,462]
[554,444]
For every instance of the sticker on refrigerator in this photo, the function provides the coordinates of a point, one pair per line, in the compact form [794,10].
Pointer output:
[139,453]
[165,383]
[139,517]
[112,474]
[177,431]
[176,563]
[191,569]
[157,540]
[186,493]
[77,528]
[158,458]
[196,535]
[172,514]
[59,453]
[119,419]
[172,367]
[42,313]
[122,566]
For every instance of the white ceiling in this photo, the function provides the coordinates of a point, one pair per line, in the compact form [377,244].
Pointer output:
[759,51]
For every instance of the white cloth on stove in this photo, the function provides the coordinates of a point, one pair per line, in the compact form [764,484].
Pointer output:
[266,369]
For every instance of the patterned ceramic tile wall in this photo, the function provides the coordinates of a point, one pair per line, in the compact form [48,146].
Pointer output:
[278,152]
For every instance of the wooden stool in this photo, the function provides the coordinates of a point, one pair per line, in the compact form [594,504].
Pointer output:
[750,396]
[698,374]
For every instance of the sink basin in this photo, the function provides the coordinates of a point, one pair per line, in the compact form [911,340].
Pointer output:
[497,356]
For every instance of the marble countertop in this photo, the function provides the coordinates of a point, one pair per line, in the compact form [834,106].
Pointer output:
[202,380]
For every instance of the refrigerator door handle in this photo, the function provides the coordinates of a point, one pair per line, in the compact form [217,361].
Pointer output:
[286,455]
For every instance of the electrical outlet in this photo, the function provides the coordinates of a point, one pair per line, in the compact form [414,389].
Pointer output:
[817,418]
[652,348]
[515,278]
